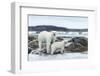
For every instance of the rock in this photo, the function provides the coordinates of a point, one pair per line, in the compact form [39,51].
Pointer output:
[78,44]
[29,50]
[33,44]
[82,40]
[31,38]
[59,39]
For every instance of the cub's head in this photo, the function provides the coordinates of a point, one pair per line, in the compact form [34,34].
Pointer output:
[67,41]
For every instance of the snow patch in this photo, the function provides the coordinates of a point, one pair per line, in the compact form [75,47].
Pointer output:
[34,57]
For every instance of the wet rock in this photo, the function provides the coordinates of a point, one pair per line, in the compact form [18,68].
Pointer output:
[31,38]
[78,44]
[33,44]
[59,39]
[82,40]
[29,50]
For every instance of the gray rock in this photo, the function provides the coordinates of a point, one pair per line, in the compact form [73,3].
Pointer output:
[79,44]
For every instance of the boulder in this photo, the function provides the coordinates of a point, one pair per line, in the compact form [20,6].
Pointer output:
[33,44]
[29,50]
[78,44]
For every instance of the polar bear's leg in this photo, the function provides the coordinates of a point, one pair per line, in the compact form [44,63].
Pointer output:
[62,50]
[48,47]
[40,46]
[52,50]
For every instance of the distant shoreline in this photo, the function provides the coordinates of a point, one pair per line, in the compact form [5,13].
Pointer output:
[54,28]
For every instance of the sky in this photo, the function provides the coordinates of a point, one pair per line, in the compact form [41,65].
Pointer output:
[61,21]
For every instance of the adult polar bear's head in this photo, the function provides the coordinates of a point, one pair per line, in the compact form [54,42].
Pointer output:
[53,33]
[48,38]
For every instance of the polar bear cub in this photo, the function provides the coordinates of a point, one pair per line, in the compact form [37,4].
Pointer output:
[59,46]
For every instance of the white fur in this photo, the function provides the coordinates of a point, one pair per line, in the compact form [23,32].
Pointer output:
[57,45]
[48,38]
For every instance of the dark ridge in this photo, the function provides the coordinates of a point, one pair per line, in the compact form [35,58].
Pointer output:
[52,28]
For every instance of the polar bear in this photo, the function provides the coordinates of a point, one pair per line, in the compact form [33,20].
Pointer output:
[48,38]
[59,46]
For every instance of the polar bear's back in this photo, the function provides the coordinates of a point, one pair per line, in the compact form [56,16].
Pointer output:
[58,44]
[44,35]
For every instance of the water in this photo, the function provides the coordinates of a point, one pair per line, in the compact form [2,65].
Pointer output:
[64,34]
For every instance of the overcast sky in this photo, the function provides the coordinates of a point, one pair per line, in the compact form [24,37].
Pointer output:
[68,22]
